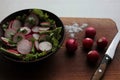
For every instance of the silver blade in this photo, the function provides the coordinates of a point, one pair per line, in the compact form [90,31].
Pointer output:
[111,49]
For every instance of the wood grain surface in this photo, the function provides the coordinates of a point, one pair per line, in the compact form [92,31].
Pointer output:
[62,65]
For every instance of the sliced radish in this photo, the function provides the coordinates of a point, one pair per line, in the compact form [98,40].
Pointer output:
[25,30]
[45,24]
[5,40]
[10,24]
[13,51]
[45,46]
[36,36]
[17,37]
[36,43]
[29,37]
[9,33]
[35,29]
[35,17]
[44,28]
[16,24]
[24,46]
[32,20]
[10,52]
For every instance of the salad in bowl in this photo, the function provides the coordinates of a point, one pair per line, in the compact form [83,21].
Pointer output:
[30,35]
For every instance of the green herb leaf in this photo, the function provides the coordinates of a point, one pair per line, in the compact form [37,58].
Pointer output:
[29,57]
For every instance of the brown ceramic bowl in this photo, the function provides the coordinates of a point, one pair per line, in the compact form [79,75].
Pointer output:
[12,16]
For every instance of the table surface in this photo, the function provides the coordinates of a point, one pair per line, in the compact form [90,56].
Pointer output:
[65,66]
[67,8]
[62,8]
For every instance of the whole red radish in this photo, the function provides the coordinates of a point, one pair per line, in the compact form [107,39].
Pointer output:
[87,43]
[90,32]
[71,45]
[102,42]
[93,56]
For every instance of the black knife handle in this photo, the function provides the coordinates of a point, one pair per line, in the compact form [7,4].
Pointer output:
[101,69]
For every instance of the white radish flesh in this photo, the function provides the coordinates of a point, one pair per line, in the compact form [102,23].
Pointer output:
[45,24]
[24,46]
[36,36]
[44,28]
[25,30]
[45,46]
[36,43]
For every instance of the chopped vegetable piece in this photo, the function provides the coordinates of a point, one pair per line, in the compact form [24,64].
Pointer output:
[45,46]
[18,37]
[16,24]
[44,28]
[8,42]
[45,24]
[25,30]
[9,33]
[36,43]
[36,36]
[9,52]
[35,29]
[24,46]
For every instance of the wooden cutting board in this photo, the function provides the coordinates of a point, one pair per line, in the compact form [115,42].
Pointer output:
[63,66]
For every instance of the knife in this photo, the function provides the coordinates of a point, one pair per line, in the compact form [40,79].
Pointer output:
[109,54]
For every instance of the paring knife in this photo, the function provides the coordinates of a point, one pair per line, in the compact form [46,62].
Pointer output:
[107,58]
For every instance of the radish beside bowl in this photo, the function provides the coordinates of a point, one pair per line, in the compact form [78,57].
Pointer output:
[30,35]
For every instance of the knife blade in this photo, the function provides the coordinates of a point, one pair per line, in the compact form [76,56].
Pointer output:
[109,55]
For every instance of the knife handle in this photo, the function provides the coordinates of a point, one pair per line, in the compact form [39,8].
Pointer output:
[101,69]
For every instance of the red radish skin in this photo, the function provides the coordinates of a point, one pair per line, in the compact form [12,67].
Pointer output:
[13,51]
[93,56]
[24,46]
[87,43]
[29,37]
[71,45]
[102,42]
[90,32]
[45,46]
